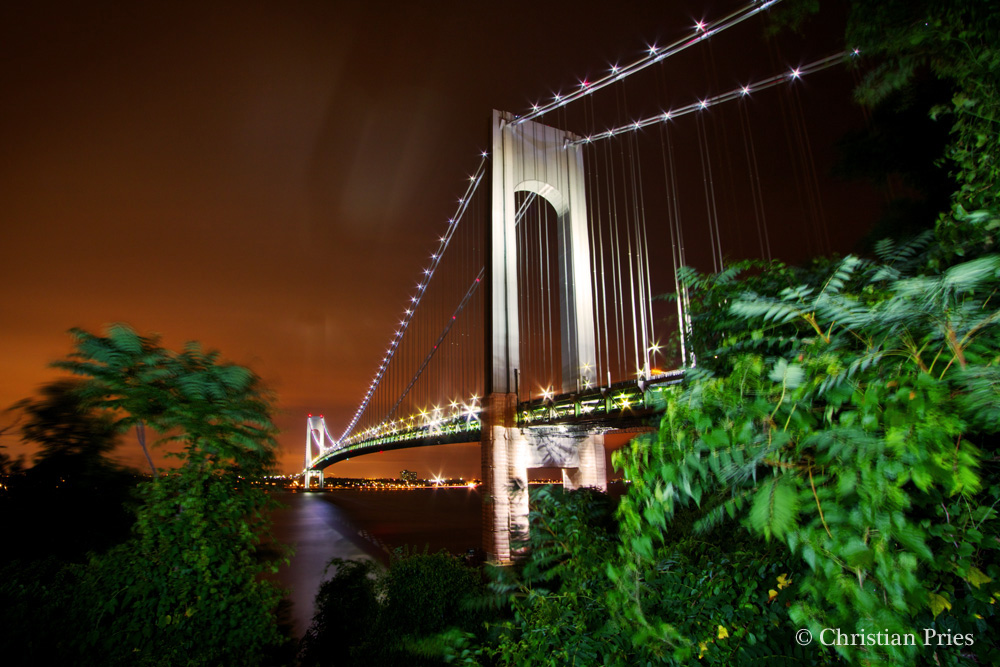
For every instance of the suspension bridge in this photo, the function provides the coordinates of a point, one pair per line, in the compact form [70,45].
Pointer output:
[534,327]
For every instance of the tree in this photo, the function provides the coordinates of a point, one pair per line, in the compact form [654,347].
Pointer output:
[72,478]
[72,440]
[8,466]
[558,612]
[346,613]
[369,616]
[854,421]
[186,588]
[126,378]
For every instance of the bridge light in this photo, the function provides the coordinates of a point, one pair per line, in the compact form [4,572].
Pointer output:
[699,26]
[614,69]
[795,73]
[652,50]
[745,90]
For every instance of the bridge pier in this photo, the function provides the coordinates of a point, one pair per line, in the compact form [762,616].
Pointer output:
[505,477]
[507,454]
[592,471]
[309,476]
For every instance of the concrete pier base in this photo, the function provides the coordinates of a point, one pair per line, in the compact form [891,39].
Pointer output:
[505,478]
[508,453]
[592,471]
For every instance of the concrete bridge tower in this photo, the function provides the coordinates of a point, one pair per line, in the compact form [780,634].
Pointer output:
[529,156]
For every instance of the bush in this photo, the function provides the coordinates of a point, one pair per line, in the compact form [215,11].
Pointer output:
[367,616]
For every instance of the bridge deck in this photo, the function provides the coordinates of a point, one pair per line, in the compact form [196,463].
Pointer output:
[622,406]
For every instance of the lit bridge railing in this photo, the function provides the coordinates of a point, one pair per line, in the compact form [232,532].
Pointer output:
[435,427]
[622,405]
[603,409]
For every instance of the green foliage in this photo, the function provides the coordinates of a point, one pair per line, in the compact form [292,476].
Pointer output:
[715,326]
[956,41]
[853,422]
[187,588]
[396,616]
[557,598]
[722,595]
[217,410]
[346,611]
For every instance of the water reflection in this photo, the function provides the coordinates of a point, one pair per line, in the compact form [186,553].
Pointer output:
[318,531]
[368,524]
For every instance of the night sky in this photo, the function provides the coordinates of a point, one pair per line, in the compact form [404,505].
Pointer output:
[264,177]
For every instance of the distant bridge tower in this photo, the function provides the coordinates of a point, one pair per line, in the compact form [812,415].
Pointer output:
[316,435]
[532,157]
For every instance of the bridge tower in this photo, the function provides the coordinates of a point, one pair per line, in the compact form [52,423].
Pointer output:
[531,157]
[314,434]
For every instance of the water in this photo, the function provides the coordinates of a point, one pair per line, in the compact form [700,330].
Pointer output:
[367,524]
[370,524]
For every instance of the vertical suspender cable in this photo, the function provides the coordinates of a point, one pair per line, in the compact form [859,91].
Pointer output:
[616,276]
[755,187]
[629,140]
[642,252]
[706,172]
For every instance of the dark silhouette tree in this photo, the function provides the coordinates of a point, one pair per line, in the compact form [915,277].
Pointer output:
[73,441]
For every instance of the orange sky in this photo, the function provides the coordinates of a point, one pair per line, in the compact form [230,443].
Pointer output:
[256,175]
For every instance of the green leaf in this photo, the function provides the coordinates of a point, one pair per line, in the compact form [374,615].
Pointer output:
[775,508]
[789,375]
[938,603]
[977,577]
